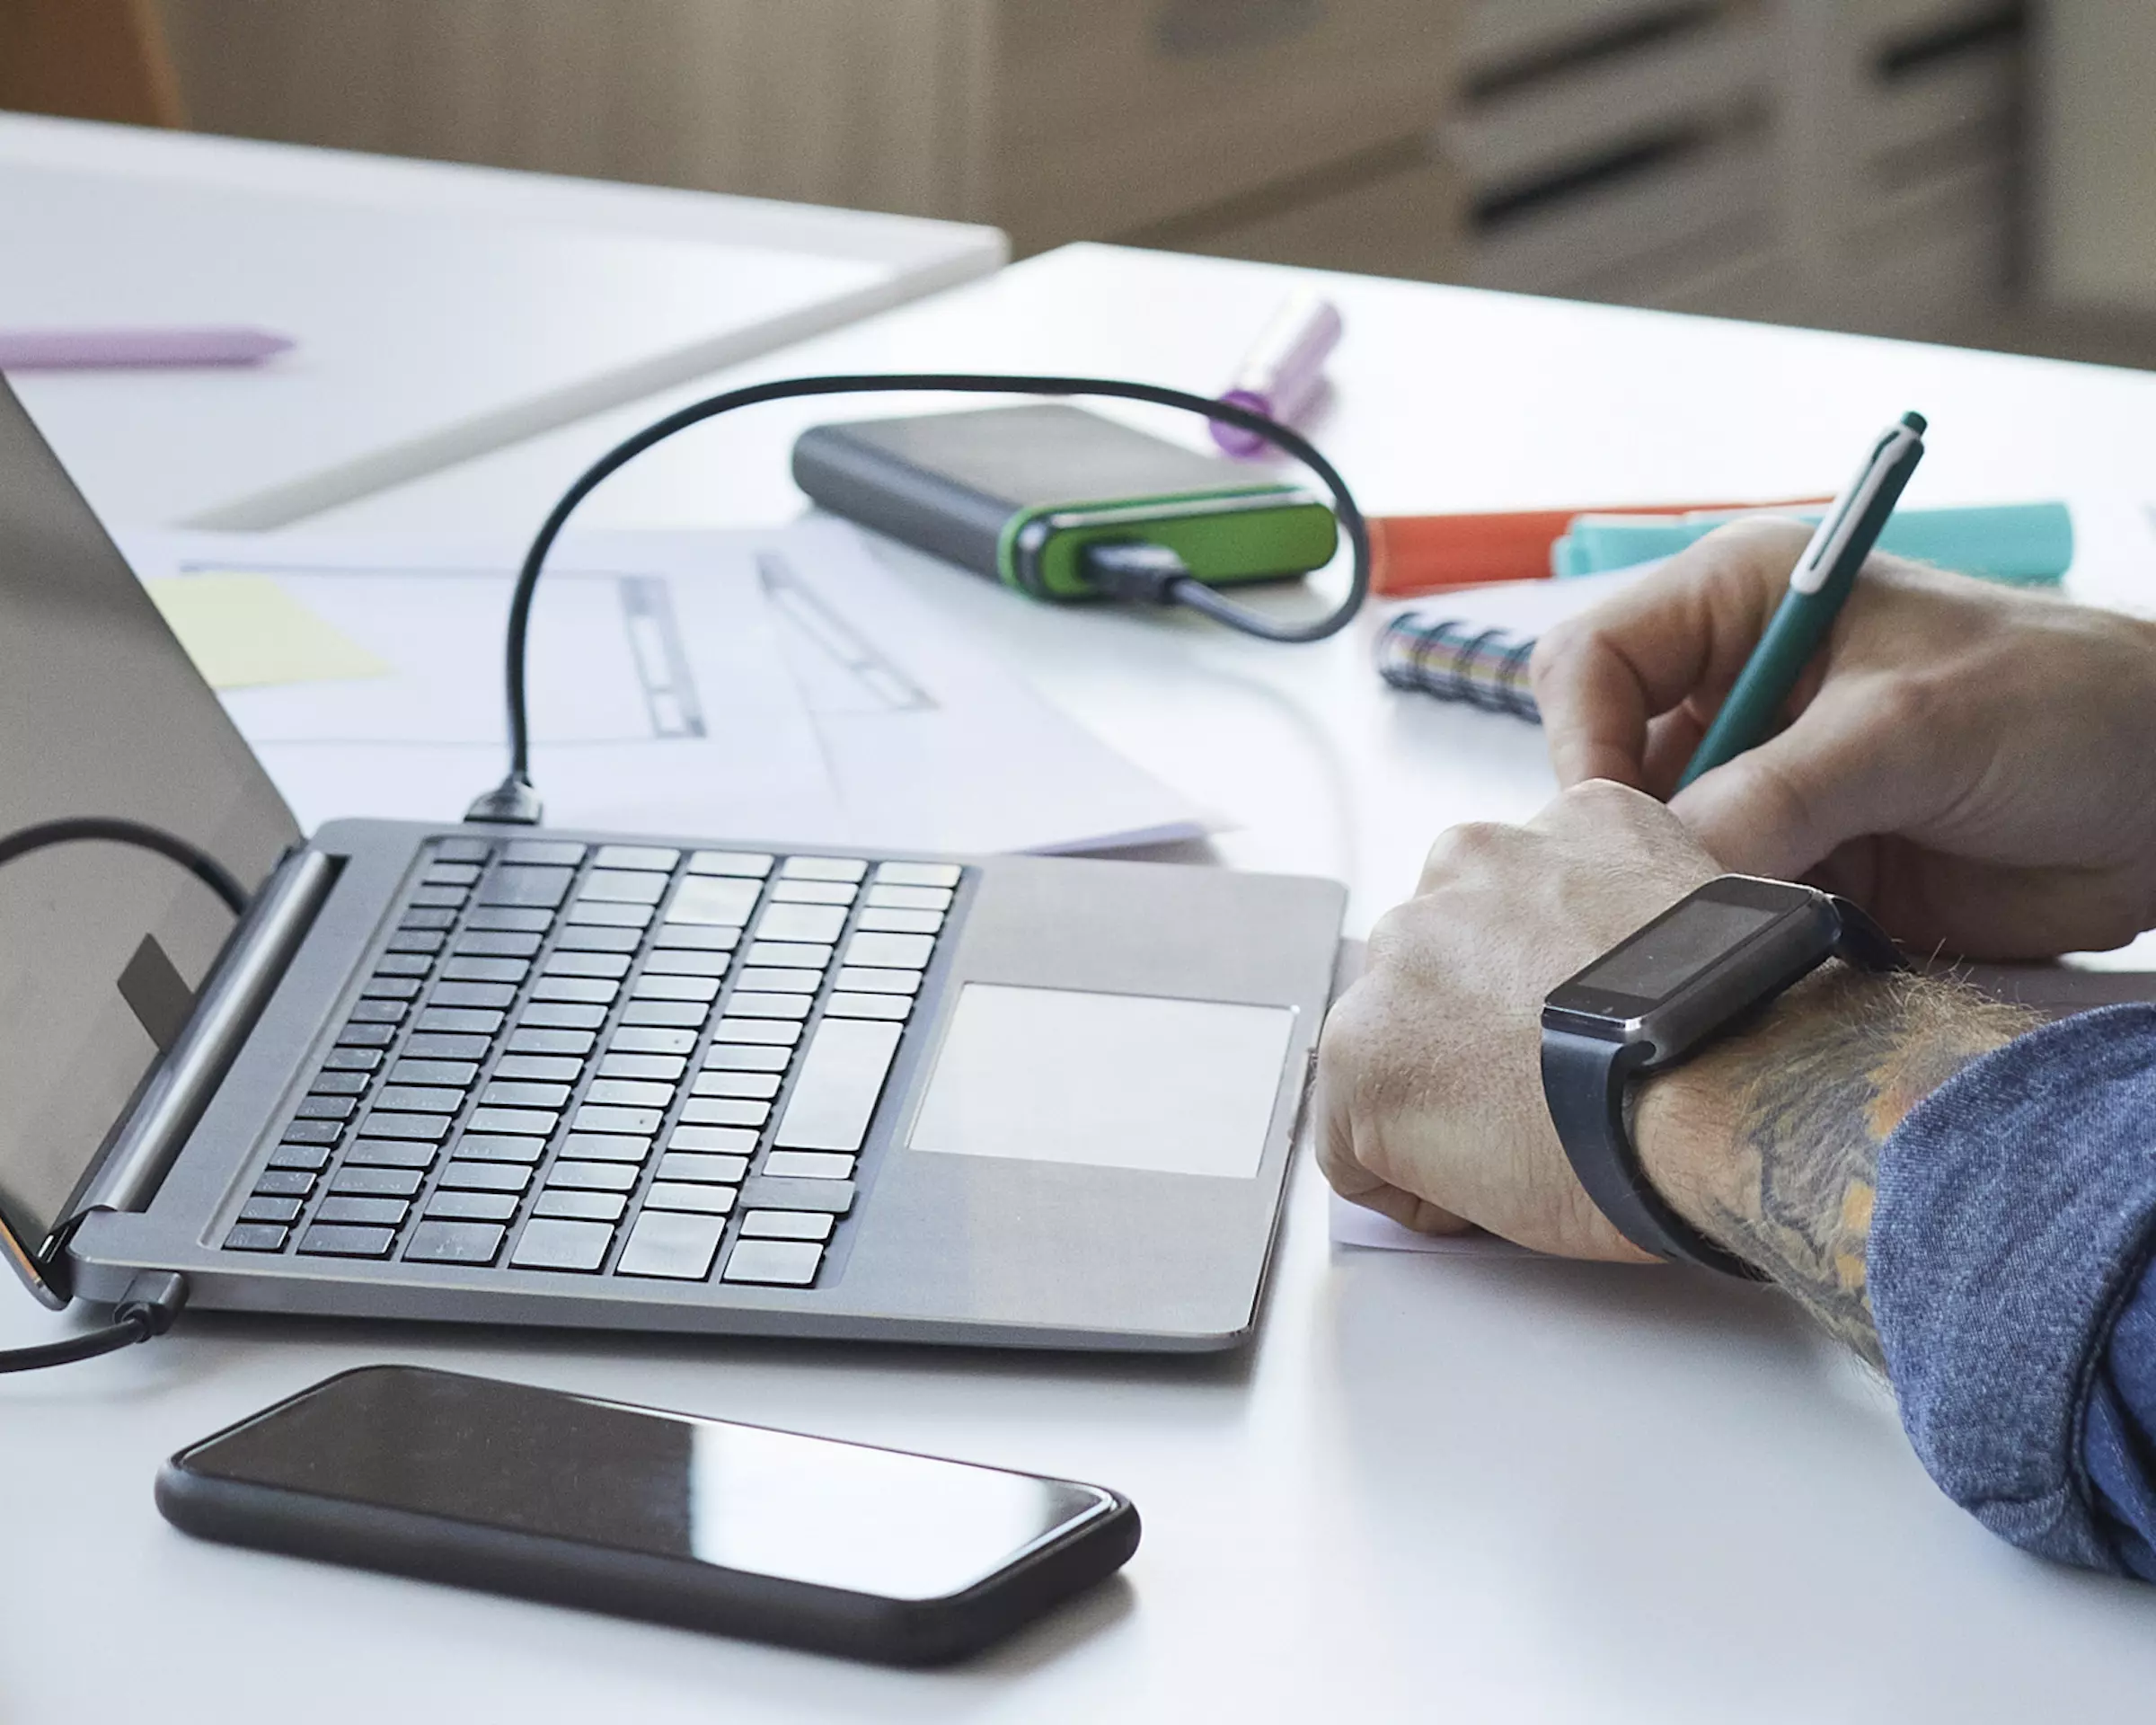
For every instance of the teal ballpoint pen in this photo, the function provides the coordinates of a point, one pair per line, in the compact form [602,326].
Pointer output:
[1819,586]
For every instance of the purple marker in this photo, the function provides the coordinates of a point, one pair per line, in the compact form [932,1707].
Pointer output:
[1284,371]
[125,348]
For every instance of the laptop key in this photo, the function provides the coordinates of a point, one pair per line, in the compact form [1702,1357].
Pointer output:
[877,921]
[833,1197]
[451,875]
[630,1092]
[781,1033]
[481,969]
[607,914]
[351,1060]
[712,902]
[285,1182]
[839,1084]
[378,1011]
[551,1242]
[498,1146]
[439,898]
[583,1207]
[389,1153]
[361,1034]
[558,853]
[611,965]
[754,1086]
[377,1182]
[455,1242]
[472,1206]
[425,917]
[463,1021]
[917,874]
[705,1200]
[684,961]
[765,980]
[509,1093]
[485,1177]
[649,857]
[596,991]
[724,1110]
[561,1070]
[807,1164]
[824,868]
[434,1127]
[747,1005]
[860,979]
[894,1007]
[257,1236]
[703,1171]
[891,897]
[814,923]
[459,1074]
[605,1146]
[786,1225]
[621,887]
[593,1176]
[338,1084]
[380,987]
[530,887]
[659,1069]
[561,1015]
[649,986]
[713,1140]
[271,1209]
[564,1042]
[890,951]
[436,1045]
[696,937]
[497,944]
[510,918]
[488,995]
[332,1241]
[419,1098]
[383,1212]
[812,892]
[792,955]
[750,864]
[773,1263]
[300,1158]
[671,1245]
[461,850]
[537,1123]
[402,964]
[638,1122]
[314,1132]
[685,1014]
[741,1057]
[597,938]
[652,1039]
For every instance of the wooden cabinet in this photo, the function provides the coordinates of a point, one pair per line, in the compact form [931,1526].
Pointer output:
[1055,120]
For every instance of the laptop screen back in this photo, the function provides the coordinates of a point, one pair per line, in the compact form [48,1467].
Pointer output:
[100,947]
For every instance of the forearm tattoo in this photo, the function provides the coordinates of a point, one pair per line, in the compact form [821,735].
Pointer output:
[1825,1086]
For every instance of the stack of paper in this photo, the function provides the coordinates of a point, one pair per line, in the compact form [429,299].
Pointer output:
[781,687]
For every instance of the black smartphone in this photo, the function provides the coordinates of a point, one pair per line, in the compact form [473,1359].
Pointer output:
[874,1553]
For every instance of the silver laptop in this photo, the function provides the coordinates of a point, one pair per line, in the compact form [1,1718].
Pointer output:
[497,1074]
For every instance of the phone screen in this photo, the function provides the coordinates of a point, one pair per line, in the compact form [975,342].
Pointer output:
[562,1466]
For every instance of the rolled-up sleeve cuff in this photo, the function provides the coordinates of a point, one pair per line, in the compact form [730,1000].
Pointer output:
[2013,1217]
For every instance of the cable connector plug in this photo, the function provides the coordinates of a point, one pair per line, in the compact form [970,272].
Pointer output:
[1133,569]
[153,1301]
[511,803]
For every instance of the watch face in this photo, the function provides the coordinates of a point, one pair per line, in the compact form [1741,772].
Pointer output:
[1710,932]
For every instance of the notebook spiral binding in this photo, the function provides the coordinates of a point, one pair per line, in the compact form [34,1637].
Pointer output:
[1457,661]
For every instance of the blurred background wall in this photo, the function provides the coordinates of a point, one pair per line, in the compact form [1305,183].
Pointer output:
[1976,171]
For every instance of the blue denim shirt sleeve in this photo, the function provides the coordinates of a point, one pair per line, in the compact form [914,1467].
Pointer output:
[2010,1279]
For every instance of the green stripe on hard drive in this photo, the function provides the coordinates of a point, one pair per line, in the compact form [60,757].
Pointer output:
[1261,534]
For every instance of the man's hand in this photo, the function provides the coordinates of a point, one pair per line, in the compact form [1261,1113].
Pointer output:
[1976,766]
[1430,1093]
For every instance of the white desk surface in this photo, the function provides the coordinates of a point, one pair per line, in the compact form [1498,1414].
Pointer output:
[1468,1487]
[439,311]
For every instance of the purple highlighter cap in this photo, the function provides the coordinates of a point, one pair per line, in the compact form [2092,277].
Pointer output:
[1284,371]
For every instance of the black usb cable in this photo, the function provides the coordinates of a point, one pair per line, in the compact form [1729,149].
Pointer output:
[1127,570]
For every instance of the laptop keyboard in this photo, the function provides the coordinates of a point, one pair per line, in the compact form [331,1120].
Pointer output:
[614,1060]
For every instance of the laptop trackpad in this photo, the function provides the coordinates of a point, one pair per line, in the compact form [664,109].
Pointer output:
[1115,1081]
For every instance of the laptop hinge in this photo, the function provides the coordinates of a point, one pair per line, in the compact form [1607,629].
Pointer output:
[248,970]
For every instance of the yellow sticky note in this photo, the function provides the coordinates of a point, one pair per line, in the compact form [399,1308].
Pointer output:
[245,631]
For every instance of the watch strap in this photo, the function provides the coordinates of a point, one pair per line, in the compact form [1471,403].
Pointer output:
[1584,1081]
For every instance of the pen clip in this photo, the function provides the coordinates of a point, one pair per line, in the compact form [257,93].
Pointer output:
[1892,460]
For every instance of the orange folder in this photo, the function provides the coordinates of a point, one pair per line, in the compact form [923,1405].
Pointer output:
[1419,553]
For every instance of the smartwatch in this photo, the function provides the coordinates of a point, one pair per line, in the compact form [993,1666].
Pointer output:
[1715,956]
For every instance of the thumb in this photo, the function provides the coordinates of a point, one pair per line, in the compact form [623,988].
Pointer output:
[1848,765]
